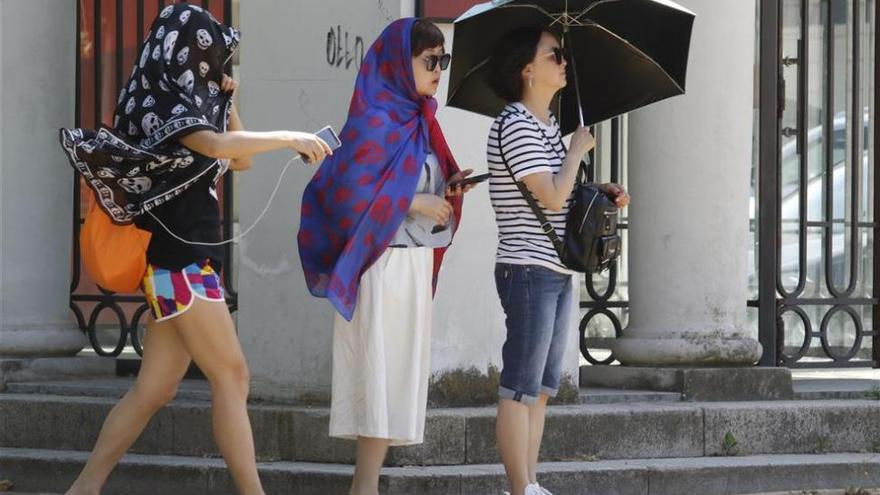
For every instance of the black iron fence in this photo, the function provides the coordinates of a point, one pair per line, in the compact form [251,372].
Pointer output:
[604,305]
[816,207]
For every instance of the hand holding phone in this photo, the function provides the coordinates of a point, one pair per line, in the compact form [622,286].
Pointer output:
[467,181]
[329,136]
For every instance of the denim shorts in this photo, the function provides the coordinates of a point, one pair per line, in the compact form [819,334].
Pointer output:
[538,303]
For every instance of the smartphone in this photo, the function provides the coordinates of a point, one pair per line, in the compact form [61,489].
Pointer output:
[476,179]
[330,137]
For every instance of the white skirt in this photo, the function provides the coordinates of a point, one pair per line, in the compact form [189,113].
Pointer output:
[382,358]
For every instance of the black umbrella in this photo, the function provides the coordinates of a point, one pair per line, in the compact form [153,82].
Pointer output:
[624,54]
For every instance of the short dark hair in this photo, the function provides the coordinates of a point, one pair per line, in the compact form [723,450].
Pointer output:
[425,35]
[511,54]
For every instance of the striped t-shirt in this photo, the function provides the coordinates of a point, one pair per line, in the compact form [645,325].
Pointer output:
[526,143]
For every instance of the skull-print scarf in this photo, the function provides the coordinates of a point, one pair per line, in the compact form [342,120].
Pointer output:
[173,90]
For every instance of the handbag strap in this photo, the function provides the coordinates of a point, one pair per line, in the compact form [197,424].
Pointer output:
[546,226]
[583,172]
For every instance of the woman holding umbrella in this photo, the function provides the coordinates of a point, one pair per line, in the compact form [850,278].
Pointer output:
[174,130]
[527,69]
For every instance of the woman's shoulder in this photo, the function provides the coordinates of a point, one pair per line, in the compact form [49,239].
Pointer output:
[512,116]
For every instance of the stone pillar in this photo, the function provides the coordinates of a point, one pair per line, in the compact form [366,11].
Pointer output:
[37,86]
[690,159]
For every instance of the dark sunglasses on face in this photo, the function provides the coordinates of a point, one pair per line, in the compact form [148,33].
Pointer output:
[557,54]
[431,61]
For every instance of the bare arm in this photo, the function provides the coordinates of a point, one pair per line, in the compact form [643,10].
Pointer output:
[239,144]
[235,124]
[553,190]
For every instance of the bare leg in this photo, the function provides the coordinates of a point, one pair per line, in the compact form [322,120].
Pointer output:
[537,411]
[370,457]
[164,364]
[209,335]
[512,432]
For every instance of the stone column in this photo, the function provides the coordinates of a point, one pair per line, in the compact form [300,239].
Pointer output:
[690,159]
[37,85]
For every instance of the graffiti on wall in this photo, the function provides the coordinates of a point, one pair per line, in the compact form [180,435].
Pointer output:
[344,49]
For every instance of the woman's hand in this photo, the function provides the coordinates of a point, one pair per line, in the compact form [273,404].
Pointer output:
[310,145]
[581,142]
[621,197]
[459,190]
[228,85]
[433,207]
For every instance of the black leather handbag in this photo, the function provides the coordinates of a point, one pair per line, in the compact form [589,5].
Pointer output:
[592,243]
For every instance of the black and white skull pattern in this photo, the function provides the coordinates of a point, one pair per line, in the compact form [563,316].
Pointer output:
[173,90]
[185,161]
[204,39]
[169,44]
[151,123]
[183,55]
[135,185]
[187,81]
[145,54]
[129,107]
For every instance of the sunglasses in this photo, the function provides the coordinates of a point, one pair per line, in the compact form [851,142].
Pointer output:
[432,61]
[558,55]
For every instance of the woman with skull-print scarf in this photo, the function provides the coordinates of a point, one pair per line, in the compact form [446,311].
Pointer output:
[175,130]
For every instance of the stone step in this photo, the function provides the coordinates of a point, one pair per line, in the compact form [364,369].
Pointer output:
[52,471]
[597,395]
[199,390]
[724,385]
[113,387]
[807,386]
[848,491]
[847,389]
[467,435]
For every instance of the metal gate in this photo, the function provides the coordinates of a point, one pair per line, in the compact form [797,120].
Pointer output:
[816,213]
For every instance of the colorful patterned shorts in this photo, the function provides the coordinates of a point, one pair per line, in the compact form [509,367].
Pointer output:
[171,292]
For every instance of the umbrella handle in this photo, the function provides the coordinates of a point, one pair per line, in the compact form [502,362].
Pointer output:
[577,87]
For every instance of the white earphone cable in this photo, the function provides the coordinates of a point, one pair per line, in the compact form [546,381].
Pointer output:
[246,231]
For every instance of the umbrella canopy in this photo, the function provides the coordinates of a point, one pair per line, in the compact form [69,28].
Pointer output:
[627,53]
